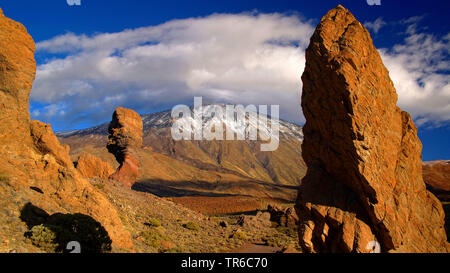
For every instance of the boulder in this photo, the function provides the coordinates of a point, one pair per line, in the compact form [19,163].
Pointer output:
[223,224]
[364,181]
[124,140]
[91,166]
[285,217]
[259,221]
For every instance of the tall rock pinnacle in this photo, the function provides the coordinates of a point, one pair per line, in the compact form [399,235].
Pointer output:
[124,140]
[364,181]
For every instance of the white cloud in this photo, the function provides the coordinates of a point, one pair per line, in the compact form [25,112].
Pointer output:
[243,58]
[420,70]
[376,25]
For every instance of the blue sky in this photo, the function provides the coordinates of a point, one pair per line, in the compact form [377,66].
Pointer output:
[177,49]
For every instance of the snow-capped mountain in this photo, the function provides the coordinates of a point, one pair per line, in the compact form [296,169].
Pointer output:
[164,119]
[234,167]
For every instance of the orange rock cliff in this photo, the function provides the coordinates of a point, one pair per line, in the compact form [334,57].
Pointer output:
[32,157]
[364,180]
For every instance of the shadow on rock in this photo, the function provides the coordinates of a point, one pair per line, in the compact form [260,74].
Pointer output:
[52,233]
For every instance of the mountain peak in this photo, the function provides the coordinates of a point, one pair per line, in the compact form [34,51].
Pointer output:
[164,119]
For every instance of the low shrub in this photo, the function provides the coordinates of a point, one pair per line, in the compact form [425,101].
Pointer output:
[239,235]
[191,226]
[4,177]
[153,238]
[44,238]
[154,222]
[289,231]
[276,240]
[100,186]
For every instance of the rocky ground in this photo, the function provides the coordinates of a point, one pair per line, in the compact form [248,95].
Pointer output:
[12,228]
[155,224]
[160,225]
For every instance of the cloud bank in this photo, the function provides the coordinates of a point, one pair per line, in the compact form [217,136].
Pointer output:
[243,58]
[248,58]
[420,70]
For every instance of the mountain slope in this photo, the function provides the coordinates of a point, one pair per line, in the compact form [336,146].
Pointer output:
[204,167]
[437,176]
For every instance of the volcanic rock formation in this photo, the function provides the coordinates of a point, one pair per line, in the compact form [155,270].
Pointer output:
[124,140]
[34,166]
[364,180]
[91,166]
[47,143]
[285,217]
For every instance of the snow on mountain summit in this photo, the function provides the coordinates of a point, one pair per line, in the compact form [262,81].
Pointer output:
[164,119]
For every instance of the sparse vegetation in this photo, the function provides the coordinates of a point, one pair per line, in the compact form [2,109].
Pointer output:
[282,237]
[276,240]
[154,222]
[91,235]
[175,235]
[4,177]
[154,238]
[44,238]
[100,186]
[52,233]
[191,226]
[288,231]
[239,235]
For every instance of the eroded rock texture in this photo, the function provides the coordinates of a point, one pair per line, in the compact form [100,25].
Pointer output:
[47,143]
[35,168]
[364,181]
[285,217]
[124,140]
[91,166]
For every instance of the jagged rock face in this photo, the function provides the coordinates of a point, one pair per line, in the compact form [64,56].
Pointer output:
[47,143]
[124,140]
[91,166]
[364,180]
[17,72]
[35,167]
